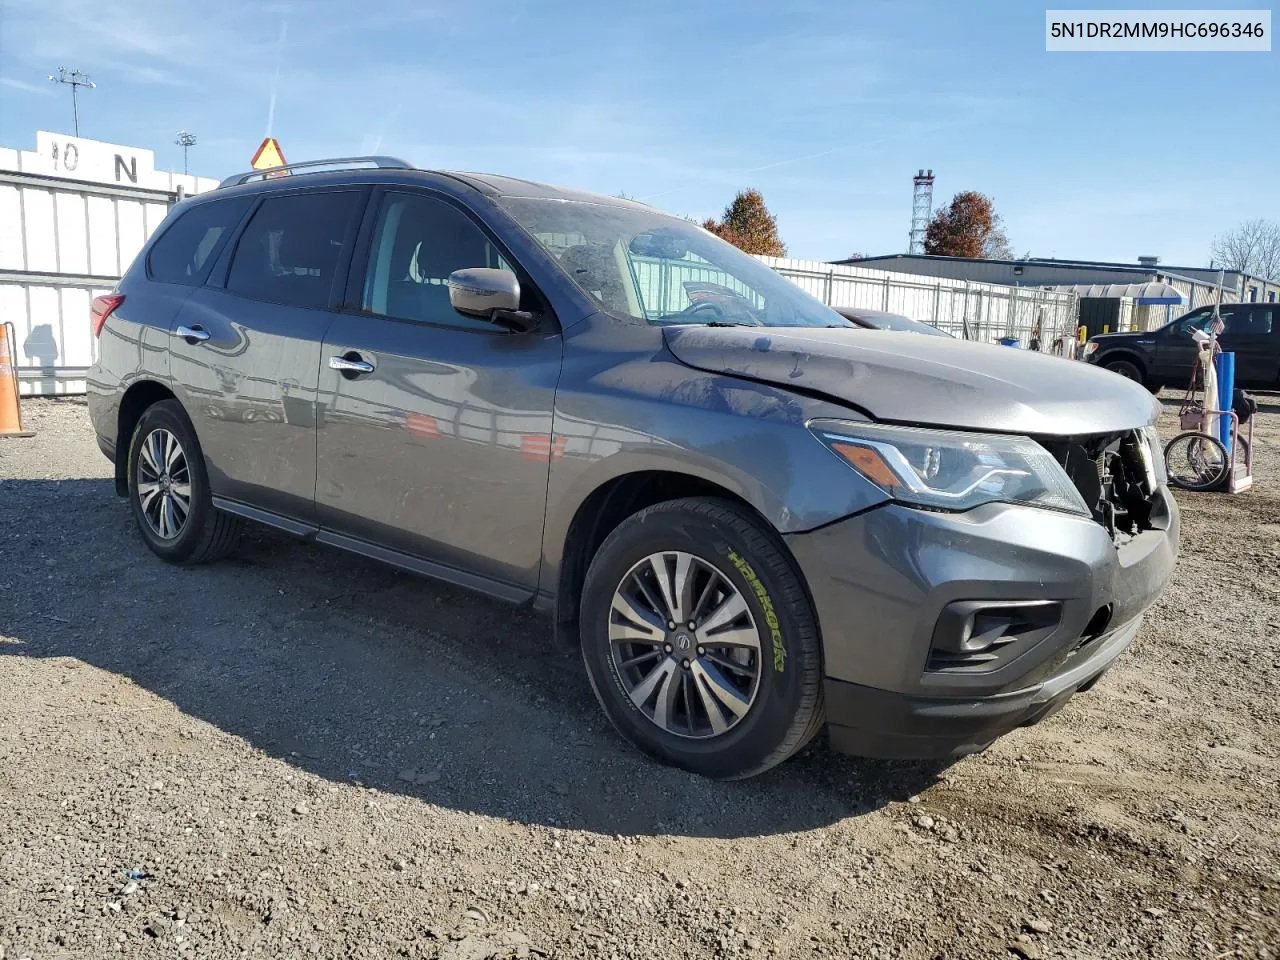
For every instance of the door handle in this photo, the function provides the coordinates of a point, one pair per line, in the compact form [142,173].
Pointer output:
[348,365]
[196,334]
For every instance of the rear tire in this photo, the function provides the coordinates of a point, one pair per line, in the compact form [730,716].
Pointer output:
[662,687]
[169,490]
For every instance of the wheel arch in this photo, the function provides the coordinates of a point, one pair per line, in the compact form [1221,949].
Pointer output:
[602,510]
[136,400]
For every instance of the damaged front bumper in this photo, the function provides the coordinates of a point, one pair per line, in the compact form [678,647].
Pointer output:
[941,632]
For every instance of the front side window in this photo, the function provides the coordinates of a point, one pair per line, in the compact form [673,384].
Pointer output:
[1196,320]
[417,242]
[649,266]
[1236,318]
[290,251]
[187,248]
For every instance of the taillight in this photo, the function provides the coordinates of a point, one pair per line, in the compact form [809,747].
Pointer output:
[101,308]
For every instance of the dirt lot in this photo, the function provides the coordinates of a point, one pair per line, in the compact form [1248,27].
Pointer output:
[300,753]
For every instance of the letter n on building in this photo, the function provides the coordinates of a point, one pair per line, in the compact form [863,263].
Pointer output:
[129,169]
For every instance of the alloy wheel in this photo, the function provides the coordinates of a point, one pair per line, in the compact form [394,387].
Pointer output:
[685,645]
[164,484]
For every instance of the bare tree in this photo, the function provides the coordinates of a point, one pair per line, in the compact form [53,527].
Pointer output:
[997,246]
[1252,248]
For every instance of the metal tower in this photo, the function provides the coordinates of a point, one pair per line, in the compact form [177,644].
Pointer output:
[186,141]
[921,209]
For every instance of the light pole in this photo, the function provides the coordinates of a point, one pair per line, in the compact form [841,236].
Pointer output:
[74,79]
[185,141]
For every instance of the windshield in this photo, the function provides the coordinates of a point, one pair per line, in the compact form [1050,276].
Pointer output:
[653,267]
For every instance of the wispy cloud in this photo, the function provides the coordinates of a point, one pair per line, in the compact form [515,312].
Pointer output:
[13,83]
[275,80]
[372,142]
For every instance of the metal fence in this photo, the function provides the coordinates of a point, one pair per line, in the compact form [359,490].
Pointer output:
[966,309]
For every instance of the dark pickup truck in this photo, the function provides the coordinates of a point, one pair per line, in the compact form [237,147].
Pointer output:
[1164,357]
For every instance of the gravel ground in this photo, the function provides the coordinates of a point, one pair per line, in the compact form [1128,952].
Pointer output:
[299,753]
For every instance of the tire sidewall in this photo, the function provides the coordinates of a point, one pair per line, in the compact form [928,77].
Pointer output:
[781,691]
[168,415]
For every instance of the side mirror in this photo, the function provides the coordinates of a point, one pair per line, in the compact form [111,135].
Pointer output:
[490,294]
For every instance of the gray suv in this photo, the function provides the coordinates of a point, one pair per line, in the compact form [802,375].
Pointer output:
[755,517]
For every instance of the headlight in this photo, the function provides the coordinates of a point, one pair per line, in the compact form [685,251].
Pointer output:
[947,470]
[1155,451]
[1090,348]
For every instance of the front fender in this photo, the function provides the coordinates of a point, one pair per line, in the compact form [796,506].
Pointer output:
[657,415]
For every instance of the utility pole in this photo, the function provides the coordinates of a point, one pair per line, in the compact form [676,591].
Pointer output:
[74,79]
[185,141]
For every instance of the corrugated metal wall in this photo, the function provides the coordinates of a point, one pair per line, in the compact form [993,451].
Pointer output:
[71,244]
[74,213]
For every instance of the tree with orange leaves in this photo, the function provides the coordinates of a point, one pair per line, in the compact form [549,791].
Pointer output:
[967,227]
[748,225]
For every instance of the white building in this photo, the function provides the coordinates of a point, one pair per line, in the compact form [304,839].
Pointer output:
[73,214]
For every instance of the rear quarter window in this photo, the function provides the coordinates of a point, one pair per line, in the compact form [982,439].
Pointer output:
[186,250]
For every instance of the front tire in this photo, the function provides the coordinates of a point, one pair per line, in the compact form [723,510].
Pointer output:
[700,640]
[169,490]
[1126,369]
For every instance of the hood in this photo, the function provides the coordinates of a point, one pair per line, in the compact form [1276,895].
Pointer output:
[935,381]
[1131,335]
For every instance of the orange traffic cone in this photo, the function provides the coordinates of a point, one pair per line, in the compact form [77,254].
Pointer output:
[10,414]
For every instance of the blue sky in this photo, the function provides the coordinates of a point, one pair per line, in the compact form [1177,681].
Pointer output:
[828,108]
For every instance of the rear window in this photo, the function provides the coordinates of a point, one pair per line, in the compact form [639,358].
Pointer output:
[290,251]
[188,248]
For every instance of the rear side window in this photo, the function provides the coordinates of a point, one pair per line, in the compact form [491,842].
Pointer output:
[1262,321]
[291,248]
[187,248]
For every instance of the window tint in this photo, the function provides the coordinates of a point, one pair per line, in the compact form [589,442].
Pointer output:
[290,250]
[417,242]
[189,246]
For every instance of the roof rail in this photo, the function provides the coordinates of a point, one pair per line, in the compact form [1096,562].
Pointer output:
[340,163]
